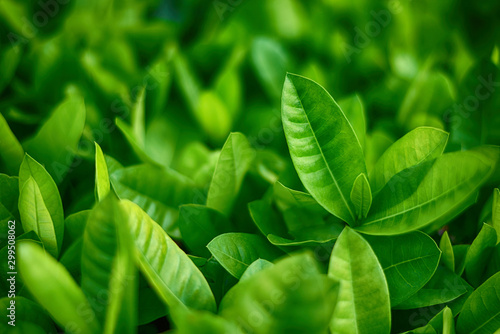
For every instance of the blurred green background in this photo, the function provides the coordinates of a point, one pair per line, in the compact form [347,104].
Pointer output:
[170,79]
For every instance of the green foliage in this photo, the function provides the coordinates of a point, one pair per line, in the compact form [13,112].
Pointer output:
[258,166]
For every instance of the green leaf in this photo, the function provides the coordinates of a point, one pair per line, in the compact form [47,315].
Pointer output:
[354,111]
[448,321]
[479,255]
[107,262]
[322,144]
[11,151]
[55,290]
[158,191]
[481,312]
[495,219]
[27,314]
[398,162]
[138,128]
[361,196]
[364,305]
[199,224]
[448,258]
[234,161]
[74,226]
[166,267]
[445,191]
[255,267]
[236,251]
[56,142]
[270,62]
[30,169]
[445,286]
[36,217]
[213,116]
[409,262]
[290,297]
[101,174]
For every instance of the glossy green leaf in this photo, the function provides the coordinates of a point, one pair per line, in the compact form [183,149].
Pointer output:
[481,312]
[74,226]
[213,115]
[322,144]
[48,189]
[157,191]
[267,220]
[199,224]
[290,297]
[101,174]
[36,217]
[448,321]
[11,151]
[361,196]
[166,267]
[26,313]
[354,110]
[49,195]
[57,140]
[444,192]
[444,287]
[236,251]
[447,258]
[363,303]
[479,254]
[234,161]
[409,262]
[52,286]
[398,162]
[107,262]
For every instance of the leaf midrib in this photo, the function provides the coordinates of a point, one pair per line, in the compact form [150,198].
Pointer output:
[322,154]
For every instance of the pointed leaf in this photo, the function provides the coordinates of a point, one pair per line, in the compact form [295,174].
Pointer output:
[417,147]
[448,258]
[234,161]
[364,305]
[442,194]
[48,190]
[361,196]
[479,254]
[101,174]
[322,144]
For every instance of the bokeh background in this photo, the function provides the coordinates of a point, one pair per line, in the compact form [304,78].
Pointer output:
[165,82]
